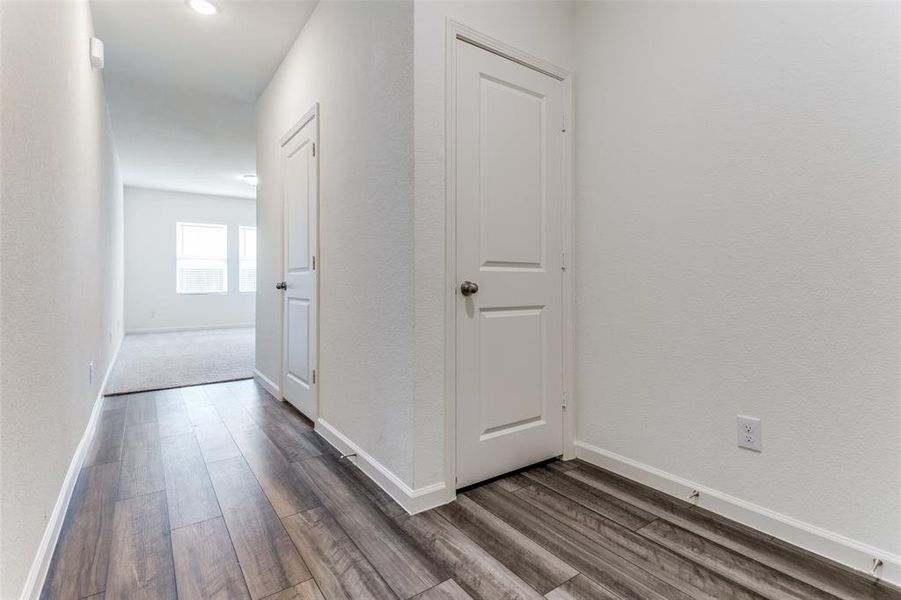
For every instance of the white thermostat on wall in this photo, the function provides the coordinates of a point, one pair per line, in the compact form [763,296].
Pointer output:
[96,53]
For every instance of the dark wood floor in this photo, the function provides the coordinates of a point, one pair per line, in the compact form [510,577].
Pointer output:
[220,491]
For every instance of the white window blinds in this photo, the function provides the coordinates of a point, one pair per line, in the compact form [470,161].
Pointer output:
[201,258]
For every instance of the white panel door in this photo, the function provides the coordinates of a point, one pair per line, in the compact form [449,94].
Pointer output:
[509,190]
[300,171]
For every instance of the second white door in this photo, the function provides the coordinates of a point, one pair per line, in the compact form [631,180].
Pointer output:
[300,172]
[509,191]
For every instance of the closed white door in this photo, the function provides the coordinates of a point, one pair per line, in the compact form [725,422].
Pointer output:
[509,193]
[300,174]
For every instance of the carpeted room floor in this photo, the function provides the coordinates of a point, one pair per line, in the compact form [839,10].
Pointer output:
[153,361]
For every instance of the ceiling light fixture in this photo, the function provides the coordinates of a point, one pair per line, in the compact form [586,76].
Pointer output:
[204,7]
[250,178]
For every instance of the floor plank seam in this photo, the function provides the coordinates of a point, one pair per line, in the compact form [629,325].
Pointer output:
[232,542]
[186,525]
[609,547]
[353,541]
[567,581]
[256,478]
[171,550]
[659,547]
[678,507]
[648,524]
[476,543]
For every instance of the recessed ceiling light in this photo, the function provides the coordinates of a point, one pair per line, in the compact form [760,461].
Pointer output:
[204,7]
[250,178]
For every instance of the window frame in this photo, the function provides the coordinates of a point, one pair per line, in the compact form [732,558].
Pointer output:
[179,237]
[241,230]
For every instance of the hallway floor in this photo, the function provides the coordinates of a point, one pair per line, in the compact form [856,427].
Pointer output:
[221,491]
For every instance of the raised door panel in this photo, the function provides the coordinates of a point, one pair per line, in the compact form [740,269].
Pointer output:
[510,371]
[297,189]
[511,189]
[299,340]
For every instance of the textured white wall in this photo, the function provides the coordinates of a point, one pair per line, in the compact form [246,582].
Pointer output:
[738,250]
[61,248]
[543,29]
[150,298]
[355,59]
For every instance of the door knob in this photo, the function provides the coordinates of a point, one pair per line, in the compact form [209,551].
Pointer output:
[468,288]
[281,285]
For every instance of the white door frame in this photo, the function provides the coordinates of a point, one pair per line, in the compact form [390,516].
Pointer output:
[311,115]
[458,31]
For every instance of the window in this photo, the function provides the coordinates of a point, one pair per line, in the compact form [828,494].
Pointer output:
[201,258]
[247,259]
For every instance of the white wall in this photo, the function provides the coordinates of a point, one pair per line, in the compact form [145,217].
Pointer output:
[738,250]
[355,59]
[61,248]
[150,299]
[543,29]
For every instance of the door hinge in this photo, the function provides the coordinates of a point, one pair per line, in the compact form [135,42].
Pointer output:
[314,263]
[314,148]
[564,123]
[563,260]
[314,375]
[564,400]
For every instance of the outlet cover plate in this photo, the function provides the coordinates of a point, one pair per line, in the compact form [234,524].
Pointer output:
[749,433]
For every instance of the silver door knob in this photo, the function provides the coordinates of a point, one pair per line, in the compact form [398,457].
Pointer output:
[281,285]
[468,288]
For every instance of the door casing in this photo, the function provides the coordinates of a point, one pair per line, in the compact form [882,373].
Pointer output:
[311,115]
[458,31]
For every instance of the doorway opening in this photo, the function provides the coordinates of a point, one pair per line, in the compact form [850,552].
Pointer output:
[184,125]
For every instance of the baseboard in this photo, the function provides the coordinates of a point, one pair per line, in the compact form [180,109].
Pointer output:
[41,565]
[268,385]
[412,500]
[839,548]
[195,328]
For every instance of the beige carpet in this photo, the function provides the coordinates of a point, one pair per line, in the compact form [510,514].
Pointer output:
[155,361]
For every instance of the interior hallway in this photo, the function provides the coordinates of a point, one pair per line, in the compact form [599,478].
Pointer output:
[715,310]
[221,491]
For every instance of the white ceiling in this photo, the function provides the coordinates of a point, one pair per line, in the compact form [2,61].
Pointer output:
[181,87]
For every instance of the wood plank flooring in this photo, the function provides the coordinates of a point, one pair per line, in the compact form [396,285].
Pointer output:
[220,491]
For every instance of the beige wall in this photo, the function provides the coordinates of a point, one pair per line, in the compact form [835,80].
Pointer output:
[61,270]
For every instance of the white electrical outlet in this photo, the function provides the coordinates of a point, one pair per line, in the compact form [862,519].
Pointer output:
[90,373]
[750,434]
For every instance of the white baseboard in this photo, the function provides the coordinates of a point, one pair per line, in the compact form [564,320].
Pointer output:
[269,385]
[41,564]
[195,328]
[412,500]
[839,548]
